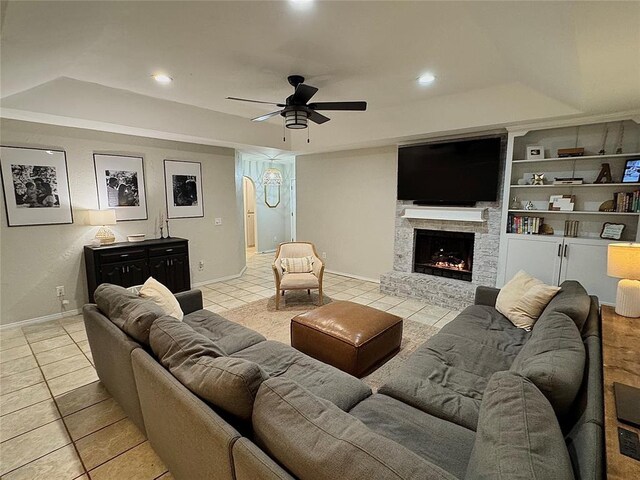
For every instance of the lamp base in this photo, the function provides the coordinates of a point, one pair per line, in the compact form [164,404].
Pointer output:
[105,235]
[628,298]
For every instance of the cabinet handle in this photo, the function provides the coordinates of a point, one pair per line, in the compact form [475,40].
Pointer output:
[128,269]
[565,250]
[559,249]
[169,250]
[124,255]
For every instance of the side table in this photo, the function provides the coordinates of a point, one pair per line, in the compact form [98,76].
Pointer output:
[621,364]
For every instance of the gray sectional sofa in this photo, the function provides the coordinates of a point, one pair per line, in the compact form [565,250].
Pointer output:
[481,399]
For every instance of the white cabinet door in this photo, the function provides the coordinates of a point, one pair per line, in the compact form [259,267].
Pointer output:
[586,261]
[538,256]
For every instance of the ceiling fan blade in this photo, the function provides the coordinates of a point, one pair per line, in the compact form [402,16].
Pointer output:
[255,101]
[262,118]
[317,117]
[303,94]
[357,106]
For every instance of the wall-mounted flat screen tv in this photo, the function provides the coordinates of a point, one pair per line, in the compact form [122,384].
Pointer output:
[457,172]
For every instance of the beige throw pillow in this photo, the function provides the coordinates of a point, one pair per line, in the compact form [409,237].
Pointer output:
[162,296]
[297,265]
[523,299]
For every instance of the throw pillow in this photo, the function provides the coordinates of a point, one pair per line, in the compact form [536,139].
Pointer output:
[523,299]
[297,265]
[162,296]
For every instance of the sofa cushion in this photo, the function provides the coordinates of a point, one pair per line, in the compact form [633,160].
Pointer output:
[417,431]
[299,280]
[228,336]
[447,375]
[325,381]
[132,314]
[572,300]
[493,330]
[523,299]
[553,359]
[156,291]
[518,434]
[228,383]
[314,439]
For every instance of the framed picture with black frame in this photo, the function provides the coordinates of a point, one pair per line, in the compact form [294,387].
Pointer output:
[36,186]
[183,189]
[631,171]
[120,184]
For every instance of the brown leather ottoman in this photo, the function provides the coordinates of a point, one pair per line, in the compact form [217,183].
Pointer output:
[352,337]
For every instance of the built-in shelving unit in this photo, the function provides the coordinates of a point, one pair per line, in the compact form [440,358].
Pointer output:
[620,186]
[554,257]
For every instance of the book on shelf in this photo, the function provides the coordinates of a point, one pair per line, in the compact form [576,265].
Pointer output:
[524,225]
[627,202]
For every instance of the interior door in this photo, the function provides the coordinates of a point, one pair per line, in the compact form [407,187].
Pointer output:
[537,256]
[249,212]
[586,261]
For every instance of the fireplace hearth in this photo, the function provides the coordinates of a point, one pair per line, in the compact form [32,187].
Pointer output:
[444,254]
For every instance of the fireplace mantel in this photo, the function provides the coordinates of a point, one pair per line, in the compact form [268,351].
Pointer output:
[455,214]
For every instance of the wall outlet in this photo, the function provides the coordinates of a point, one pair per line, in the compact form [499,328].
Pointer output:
[217,221]
[60,291]
[324,255]
[275,238]
[201,265]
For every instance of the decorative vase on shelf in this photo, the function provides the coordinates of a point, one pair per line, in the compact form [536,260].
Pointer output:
[529,206]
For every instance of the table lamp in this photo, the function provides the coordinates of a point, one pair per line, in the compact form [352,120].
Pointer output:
[623,261]
[103,218]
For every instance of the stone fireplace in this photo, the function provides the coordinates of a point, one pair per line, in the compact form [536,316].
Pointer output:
[444,286]
[444,254]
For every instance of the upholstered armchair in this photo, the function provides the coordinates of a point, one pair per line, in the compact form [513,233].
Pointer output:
[297,267]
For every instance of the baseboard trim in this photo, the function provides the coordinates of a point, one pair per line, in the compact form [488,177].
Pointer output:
[46,318]
[221,279]
[351,275]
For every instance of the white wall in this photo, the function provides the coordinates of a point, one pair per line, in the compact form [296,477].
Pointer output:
[273,225]
[36,259]
[346,205]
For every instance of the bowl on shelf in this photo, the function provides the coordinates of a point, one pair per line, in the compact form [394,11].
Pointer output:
[136,237]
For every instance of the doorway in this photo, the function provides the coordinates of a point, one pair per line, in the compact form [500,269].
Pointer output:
[249,195]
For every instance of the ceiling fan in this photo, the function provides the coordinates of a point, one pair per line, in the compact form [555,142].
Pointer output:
[296,111]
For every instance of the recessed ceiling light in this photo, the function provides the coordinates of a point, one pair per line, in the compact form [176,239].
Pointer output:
[426,78]
[162,78]
[301,4]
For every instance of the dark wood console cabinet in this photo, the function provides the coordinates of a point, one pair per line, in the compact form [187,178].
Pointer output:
[128,264]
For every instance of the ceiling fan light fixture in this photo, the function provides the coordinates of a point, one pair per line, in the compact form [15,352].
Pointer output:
[295,119]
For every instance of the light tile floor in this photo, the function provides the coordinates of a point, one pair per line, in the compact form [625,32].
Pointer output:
[58,422]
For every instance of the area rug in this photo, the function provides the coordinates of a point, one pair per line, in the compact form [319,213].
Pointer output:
[274,324]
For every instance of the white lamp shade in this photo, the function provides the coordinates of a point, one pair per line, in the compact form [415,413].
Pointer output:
[623,260]
[102,217]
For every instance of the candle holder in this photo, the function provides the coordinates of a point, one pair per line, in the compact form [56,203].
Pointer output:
[168,236]
[161,232]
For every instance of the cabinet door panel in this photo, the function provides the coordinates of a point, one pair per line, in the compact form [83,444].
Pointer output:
[158,268]
[178,273]
[111,273]
[586,262]
[136,273]
[538,257]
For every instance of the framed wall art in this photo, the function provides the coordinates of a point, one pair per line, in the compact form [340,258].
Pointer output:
[120,182]
[36,186]
[183,188]
[535,152]
[612,231]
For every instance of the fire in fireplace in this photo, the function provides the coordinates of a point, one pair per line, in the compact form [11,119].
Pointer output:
[444,254]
